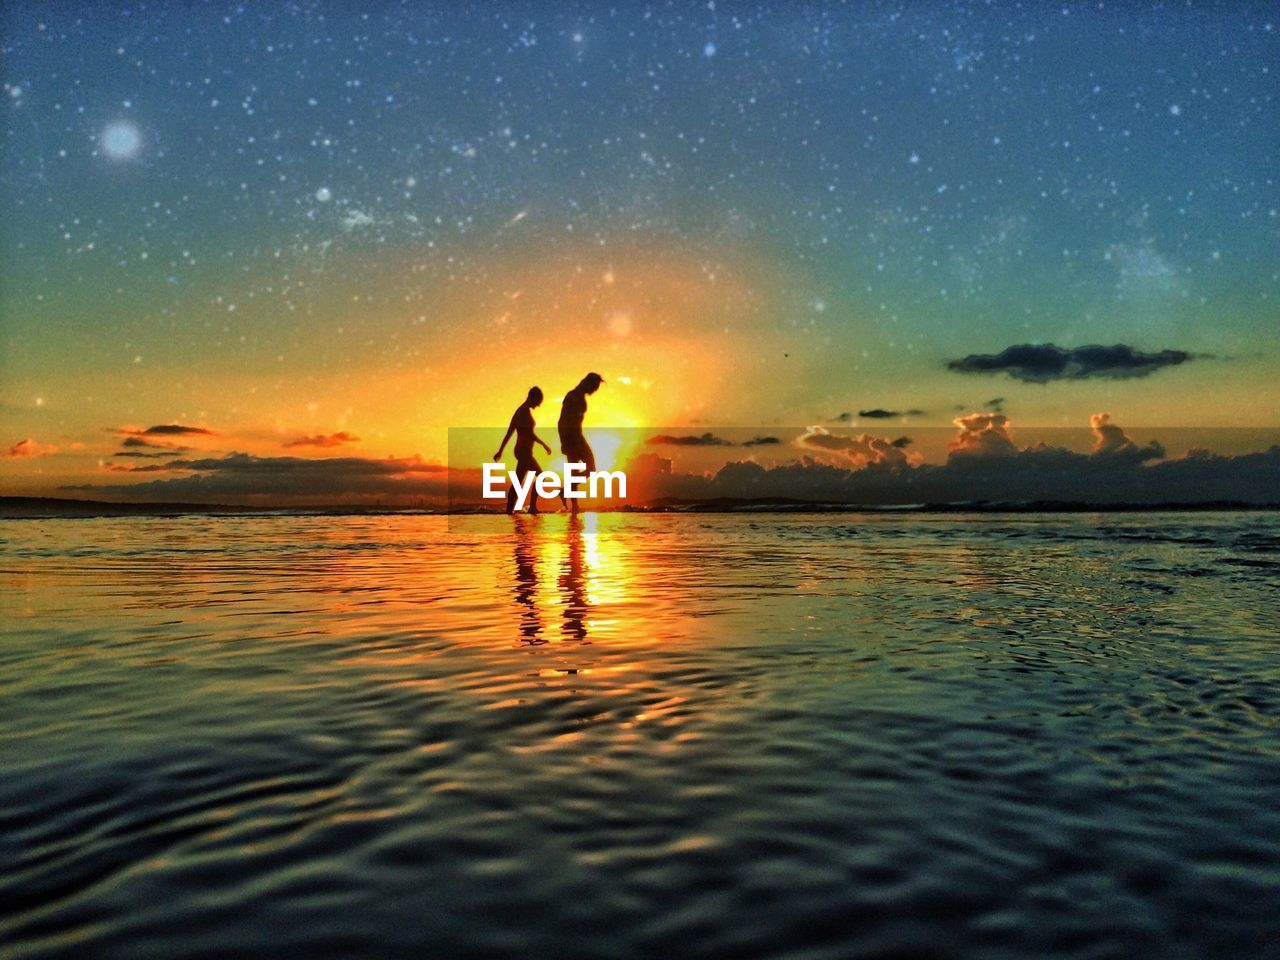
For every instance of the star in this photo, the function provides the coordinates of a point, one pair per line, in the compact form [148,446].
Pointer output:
[121,140]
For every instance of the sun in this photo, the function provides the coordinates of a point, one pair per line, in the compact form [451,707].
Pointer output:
[608,446]
[617,438]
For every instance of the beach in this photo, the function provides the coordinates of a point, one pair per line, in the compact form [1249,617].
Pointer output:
[641,735]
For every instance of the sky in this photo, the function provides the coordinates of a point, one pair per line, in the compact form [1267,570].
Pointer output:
[315,231]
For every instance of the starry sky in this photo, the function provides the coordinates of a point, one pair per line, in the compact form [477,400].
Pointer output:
[295,228]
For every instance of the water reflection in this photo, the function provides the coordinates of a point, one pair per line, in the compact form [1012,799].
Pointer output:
[566,562]
[526,580]
[364,704]
[573,586]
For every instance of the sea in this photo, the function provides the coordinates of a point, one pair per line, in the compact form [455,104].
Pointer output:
[641,735]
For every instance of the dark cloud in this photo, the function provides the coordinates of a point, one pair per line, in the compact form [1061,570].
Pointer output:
[242,477]
[167,430]
[141,468]
[996,404]
[324,440]
[984,464]
[761,442]
[702,440]
[841,418]
[1042,362]
[879,413]
[156,455]
[169,449]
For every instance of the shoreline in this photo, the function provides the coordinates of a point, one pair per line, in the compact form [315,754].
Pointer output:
[54,508]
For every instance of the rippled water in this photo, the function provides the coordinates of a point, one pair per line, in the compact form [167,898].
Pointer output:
[800,736]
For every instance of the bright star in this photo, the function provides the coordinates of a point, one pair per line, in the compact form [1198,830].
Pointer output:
[121,140]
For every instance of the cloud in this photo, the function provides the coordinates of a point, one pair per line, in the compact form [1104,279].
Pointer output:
[1043,362]
[996,404]
[130,468]
[150,456]
[324,440]
[1110,441]
[841,418]
[879,413]
[169,449]
[167,430]
[982,434]
[985,464]
[862,450]
[704,440]
[708,440]
[243,477]
[30,448]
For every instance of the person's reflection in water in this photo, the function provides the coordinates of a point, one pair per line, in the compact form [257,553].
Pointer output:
[573,584]
[526,583]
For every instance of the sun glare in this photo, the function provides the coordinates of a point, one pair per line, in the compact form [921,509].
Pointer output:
[608,447]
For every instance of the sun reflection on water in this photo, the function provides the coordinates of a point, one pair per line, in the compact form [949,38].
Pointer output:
[566,569]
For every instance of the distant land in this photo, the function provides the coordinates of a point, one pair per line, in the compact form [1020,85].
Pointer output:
[49,507]
[56,507]
[60,507]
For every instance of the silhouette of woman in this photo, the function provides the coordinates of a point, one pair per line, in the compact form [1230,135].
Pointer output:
[526,584]
[522,426]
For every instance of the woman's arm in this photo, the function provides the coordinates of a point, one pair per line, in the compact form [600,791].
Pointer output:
[510,429]
[538,439]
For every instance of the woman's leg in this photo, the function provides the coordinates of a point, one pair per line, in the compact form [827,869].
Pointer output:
[533,492]
[527,466]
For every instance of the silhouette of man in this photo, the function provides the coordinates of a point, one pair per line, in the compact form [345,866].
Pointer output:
[573,584]
[573,444]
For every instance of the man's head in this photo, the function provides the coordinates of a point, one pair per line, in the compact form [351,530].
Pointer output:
[591,383]
[535,397]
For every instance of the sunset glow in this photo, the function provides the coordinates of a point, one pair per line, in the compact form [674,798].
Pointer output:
[323,268]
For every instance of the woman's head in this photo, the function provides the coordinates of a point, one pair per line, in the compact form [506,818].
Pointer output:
[535,396]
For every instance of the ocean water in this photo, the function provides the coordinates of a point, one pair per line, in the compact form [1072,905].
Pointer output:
[641,736]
